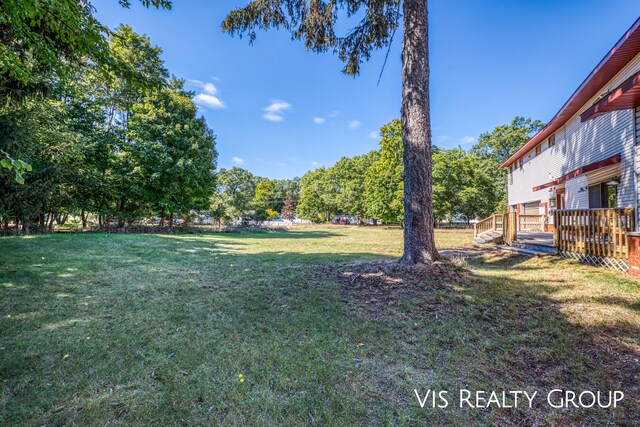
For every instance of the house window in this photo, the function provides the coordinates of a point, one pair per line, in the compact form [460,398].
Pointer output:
[552,140]
[604,195]
[538,149]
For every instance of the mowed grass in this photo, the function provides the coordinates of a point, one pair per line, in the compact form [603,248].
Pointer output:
[156,330]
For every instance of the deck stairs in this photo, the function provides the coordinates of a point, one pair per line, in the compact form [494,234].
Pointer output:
[491,236]
[516,233]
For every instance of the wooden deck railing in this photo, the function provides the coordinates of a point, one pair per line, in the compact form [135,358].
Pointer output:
[492,223]
[597,232]
[528,223]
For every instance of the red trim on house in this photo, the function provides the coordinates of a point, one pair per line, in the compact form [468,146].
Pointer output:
[584,169]
[614,61]
[627,95]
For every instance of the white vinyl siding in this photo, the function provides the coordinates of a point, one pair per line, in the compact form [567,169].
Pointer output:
[578,144]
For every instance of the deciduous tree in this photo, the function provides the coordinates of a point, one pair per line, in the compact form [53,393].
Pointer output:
[495,147]
[384,187]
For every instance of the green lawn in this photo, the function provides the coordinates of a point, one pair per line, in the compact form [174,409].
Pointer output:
[156,329]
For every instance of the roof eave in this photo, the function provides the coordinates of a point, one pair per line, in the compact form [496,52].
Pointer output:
[585,90]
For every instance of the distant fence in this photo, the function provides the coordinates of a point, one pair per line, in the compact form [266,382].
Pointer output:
[596,236]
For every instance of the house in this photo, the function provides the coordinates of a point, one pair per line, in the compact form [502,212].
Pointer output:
[587,156]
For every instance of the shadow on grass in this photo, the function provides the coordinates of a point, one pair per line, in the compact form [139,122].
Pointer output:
[168,322]
[532,335]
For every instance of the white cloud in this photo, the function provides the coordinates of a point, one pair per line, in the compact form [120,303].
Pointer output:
[314,163]
[274,112]
[334,114]
[207,98]
[208,101]
[273,117]
[319,120]
[467,140]
[207,87]
[443,138]
[210,88]
[374,134]
[281,164]
[238,161]
[354,124]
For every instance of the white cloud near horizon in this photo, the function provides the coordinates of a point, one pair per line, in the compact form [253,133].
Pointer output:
[319,120]
[274,112]
[314,163]
[374,134]
[238,161]
[354,124]
[467,140]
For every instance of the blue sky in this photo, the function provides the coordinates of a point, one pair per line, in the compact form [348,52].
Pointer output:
[279,111]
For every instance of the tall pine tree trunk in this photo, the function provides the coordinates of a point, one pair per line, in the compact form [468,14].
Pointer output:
[419,242]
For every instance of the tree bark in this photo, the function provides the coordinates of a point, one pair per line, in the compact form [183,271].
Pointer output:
[419,242]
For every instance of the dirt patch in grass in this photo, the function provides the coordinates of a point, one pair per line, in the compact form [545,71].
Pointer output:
[379,290]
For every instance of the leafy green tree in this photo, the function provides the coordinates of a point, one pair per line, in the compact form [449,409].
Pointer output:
[218,209]
[384,187]
[20,167]
[345,183]
[42,43]
[173,152]
[265,199]
[495,147]
[237,188]
[36,131]
[315,201]
[315,23]
[125,147]
[284,189]
[462,189]
[40,40]
[503,141]
[118,94]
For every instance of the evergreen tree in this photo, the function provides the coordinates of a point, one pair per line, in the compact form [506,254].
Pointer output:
[315,23]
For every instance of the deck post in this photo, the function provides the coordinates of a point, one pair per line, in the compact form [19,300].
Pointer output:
[556,227]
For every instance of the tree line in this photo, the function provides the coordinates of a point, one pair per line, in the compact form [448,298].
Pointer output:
[121,140]
[467,184]
[93,125]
